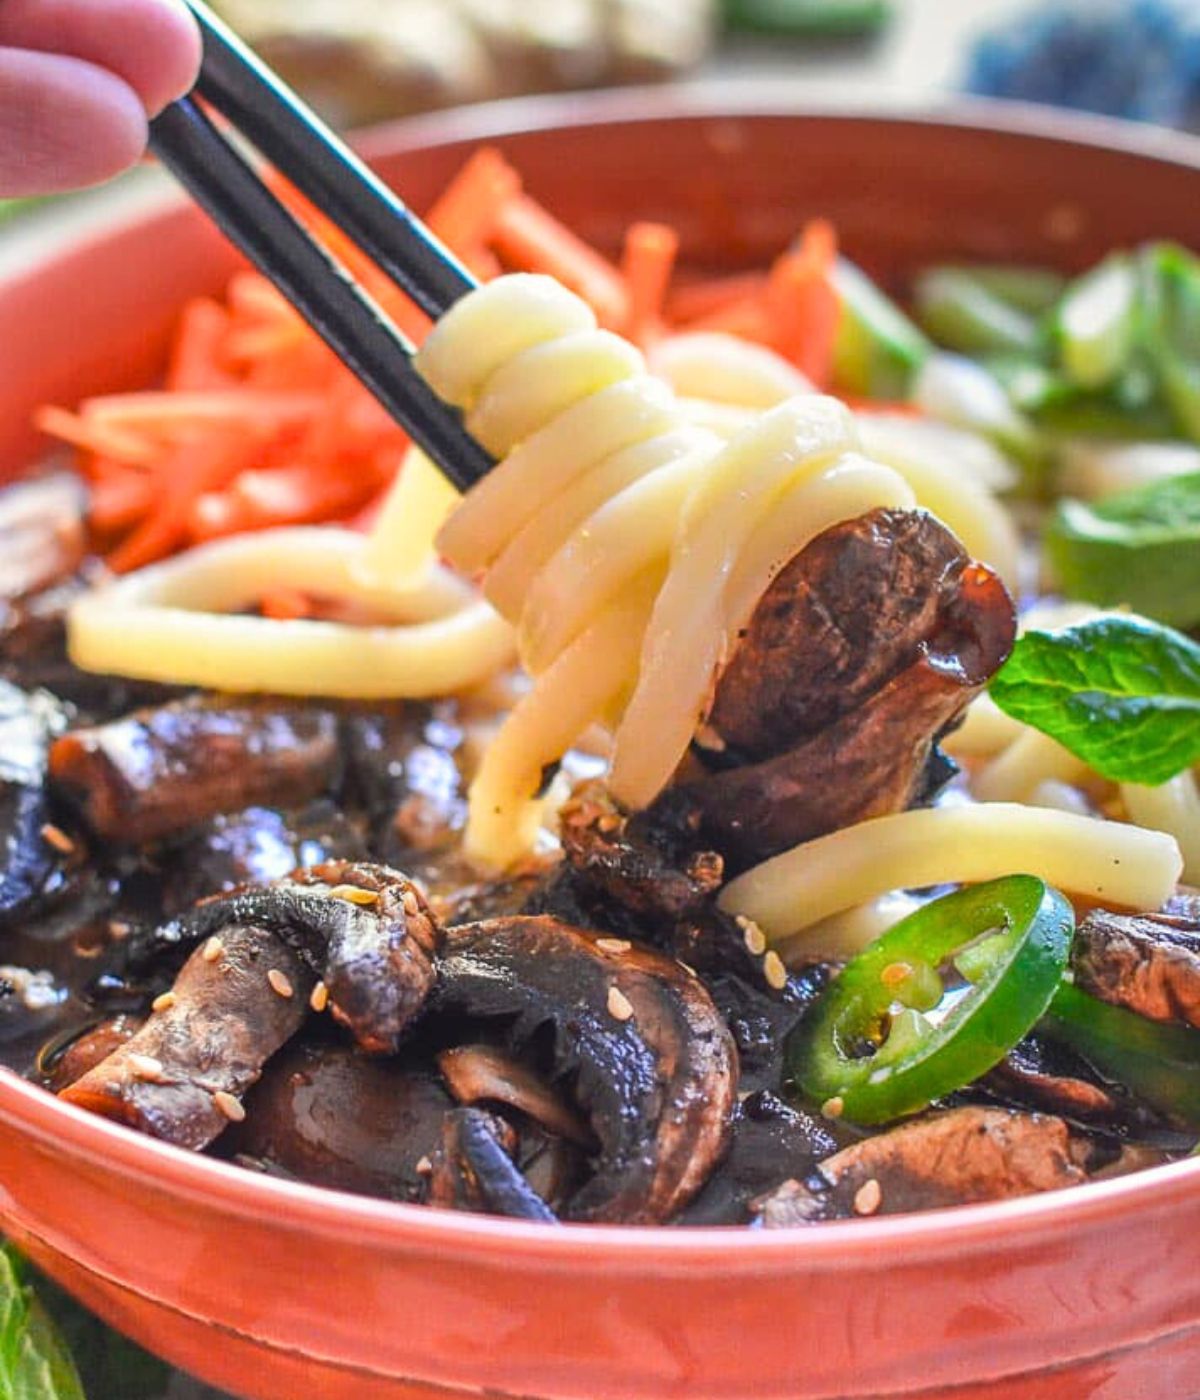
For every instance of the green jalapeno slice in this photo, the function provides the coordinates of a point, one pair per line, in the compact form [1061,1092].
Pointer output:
[936,1001]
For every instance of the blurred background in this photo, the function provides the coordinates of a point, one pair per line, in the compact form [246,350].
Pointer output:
[362,61]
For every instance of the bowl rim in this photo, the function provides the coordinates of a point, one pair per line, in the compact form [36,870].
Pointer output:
[352,1217]
[831,1245]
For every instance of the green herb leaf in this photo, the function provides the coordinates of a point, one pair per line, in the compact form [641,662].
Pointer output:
[1170,298]
[1121,693]
[34,1363]
[1140,548]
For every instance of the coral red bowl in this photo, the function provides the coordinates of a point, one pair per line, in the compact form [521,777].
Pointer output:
[283,1292]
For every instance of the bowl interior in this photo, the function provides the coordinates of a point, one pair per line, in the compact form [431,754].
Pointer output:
[736,174]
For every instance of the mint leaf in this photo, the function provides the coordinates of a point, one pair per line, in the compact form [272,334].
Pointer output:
[1140,548]
[1121,693]
[34,1363]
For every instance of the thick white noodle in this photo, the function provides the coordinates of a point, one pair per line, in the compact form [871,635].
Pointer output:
[171,622]
[1115,864]
[1173,807]
[486,329]
[723,369]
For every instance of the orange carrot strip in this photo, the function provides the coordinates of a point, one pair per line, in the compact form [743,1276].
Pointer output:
[187,472]
[745,318]
[303,493]
[647,262]
[250,294]
[104,439]
[709,294]
[167,413]
[285,604]
[531,239]
[464,214]
[803,305]
[117,502]
[196,356]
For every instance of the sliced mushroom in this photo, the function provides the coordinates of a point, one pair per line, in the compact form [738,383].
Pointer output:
[160,771]
[1147,963]
[402,767]
[771,1142]
[827,712]
[332,1116]
[484,1074]
[181,1077]
[70,1056]
[1042,1075]
[364,930]
[29,846]
[943,1159]
[473,1169]
[254,846]
[636,1035]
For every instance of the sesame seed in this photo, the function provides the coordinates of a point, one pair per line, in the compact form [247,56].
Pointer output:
[753,937]
[620,1008]
[118,929]
[280,982]
[320,997]
[146,1067]
[895,973]
[164,1002]
[424,1166]
[613,945]
[229,1106]
[409,901]
[774,971]
[213,949]
[55,836]
[868,1198]
[608,823]
[354,894]
[832,1108]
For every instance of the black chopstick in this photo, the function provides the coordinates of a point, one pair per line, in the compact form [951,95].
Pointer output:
[238,84]
[354,327]
[227,187]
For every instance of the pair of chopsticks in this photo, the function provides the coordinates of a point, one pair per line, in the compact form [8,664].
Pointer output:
[255,101]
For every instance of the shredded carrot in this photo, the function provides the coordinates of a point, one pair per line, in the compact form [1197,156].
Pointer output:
[803,304]
[710,294]
[188,472]
[285,605]
[647,262]
[531,239]
[106,441]
[259,424]
[464,214]
[196,356]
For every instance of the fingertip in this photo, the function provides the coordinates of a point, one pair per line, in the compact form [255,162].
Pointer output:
[67,124]
[169,53]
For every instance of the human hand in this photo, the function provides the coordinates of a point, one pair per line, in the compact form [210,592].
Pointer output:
[79,80]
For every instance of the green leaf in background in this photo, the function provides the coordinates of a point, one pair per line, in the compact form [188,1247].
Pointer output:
[808,18]
[878,349]
[1096,323]
[1140,548]
[34,1361]
[1121,693]
[964,314]
[1170,298]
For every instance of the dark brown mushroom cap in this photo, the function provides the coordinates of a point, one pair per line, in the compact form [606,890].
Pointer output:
[330,1115]
[867,646]
[947,1158]
[651,1063]
[364,929]
[28,723]
[162,770]
[181,1076]
[1147,963]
